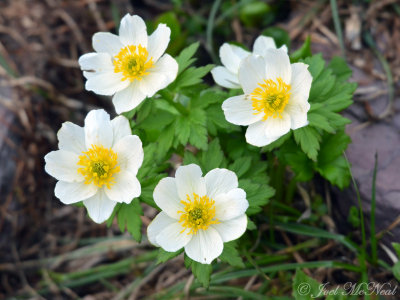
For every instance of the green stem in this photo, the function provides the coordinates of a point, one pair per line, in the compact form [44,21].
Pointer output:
[362,257]
[338,28]
[373,207]
[210,27]
[178,106]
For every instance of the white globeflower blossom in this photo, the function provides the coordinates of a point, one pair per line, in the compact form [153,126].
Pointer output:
[275,97]
[96,164]
[231,57]
[198,213]
[131,66]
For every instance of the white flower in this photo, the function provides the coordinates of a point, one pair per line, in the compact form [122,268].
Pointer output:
[198,213]
[275,97]
[231,57]
[96,164]
[131,66]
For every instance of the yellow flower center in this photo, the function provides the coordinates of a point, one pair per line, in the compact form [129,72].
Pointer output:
[99,164]
[271,97]
[133,62]
[199,213]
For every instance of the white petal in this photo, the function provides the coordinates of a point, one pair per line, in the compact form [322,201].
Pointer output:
[96,62]
[72,192]
[63,165]
[125,188]
[223,77]
[130,153]
[255,135]
[251,73]
[132,31]
[300,83]
[160,222]
[99,207]
[277,64]
[298,114]
[239,110]
[189,181]
[121,128]
[220,181]
[276,127]
[158,41]
[230,205]
[106,42]
[106,83]
[173,237]
[71,138]
[166,197]
[284,48]
[262,43]
[205,246]
[231,56]
[232,229]
[160,76]
[129,98]
[98,130]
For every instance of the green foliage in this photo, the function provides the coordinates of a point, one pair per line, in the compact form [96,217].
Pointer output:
[323,140]
[128,216]
[202,272]
[256,13]
[164,256]
[304,287]
[303,52]
[231,256]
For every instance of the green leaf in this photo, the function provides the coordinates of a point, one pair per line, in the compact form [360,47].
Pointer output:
[191,76]
[251,225]
[231,256]
[164,256]
[256,13]
[202,272]
[308,139]
[298,161]
[208,97]
[396,270]
[336,172]
[216,121]
[182,129]
[331,164]
[256,194]
[241,166]
[316,65]
[332,146]
[304,287]
[129,216]
[184,59]
[303,52]
[198,136]
[340,68]
[396,247]
[213,157]
[320,121]
[165,139]
[190,158]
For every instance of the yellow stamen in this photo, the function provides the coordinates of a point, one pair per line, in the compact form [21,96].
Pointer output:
[133,62]
[198,213]
[271,97]
[99,164]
